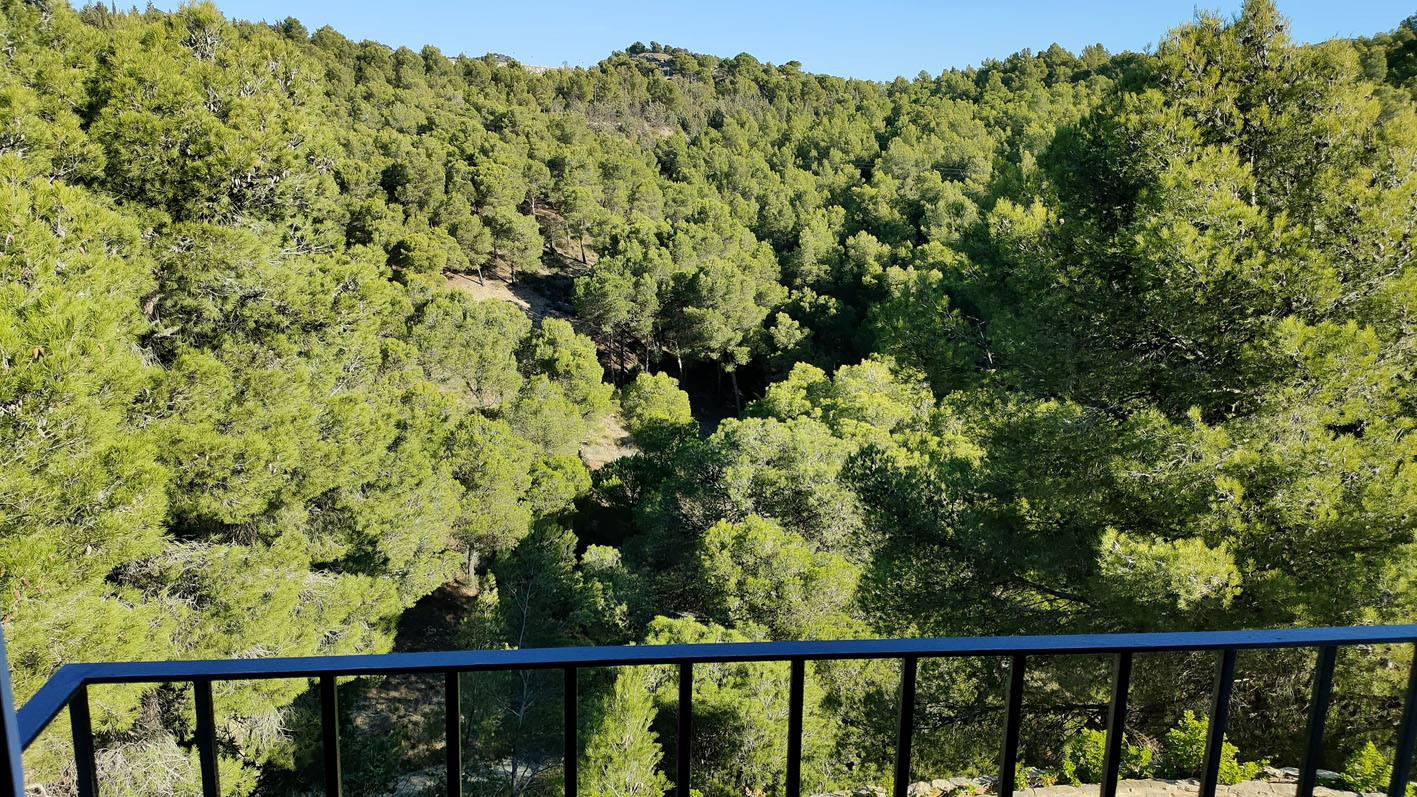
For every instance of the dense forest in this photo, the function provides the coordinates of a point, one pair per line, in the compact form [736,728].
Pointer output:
[1060,343]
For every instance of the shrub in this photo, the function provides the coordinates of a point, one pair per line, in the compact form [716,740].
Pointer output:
[1185,753]
[1368,770]
[1082,758]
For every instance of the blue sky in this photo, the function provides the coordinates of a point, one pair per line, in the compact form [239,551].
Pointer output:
[876,39]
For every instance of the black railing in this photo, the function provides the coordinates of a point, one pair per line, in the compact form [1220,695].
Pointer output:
[69,687]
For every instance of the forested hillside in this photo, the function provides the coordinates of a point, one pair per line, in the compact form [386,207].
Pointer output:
[1061,343]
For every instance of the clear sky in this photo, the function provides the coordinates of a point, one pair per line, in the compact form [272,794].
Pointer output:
[875,39]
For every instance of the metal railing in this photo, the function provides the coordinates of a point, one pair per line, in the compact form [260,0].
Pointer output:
[69,687]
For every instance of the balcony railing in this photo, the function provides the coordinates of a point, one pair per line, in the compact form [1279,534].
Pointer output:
[69,687]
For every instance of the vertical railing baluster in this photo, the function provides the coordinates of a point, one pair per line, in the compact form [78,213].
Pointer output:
[329,730]
[81,725]
[452,731]
[686,727]
[13,774]
[1219,718]
[1406,737]
[1116,723]
[568,731]
[795,684]
[906,725]
[206,736]
[1013,716]
[1318,715]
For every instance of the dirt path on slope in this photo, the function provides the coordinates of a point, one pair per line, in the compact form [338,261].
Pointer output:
[536,305]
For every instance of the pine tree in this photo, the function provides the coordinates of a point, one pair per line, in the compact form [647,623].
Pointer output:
[622,755]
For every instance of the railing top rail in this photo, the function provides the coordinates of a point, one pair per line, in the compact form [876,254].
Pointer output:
[51,698]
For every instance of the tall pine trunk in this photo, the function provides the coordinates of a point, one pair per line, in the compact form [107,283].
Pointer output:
[624,367]
[616,362]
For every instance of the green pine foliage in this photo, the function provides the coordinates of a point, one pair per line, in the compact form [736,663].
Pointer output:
[1184,753]
[622,754]
[1082,758]
[1062,342]
[1366,770]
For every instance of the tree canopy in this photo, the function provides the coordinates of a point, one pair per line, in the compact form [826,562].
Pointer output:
[1061,342]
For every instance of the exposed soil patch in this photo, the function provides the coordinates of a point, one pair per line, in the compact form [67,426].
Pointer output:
[536,305]
[541,294]
[613,443]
